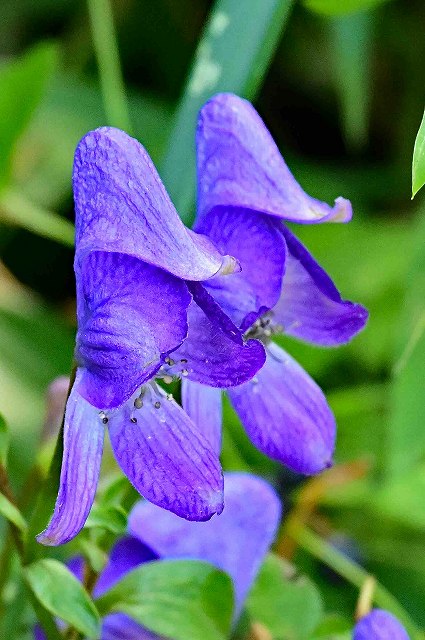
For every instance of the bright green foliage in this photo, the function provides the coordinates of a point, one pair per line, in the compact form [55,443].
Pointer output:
[287,604]
[179,599]
[418,166]
[59,591]
[22,85]
[223,62]
[112,518]
[4,441]
[407,433]
[340,7]
[11,513]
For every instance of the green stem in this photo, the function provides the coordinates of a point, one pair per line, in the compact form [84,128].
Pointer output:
[352,572]
[106,48]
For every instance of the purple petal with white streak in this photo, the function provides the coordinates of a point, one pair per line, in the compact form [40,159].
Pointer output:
[165,457]
[121,205]
[204,406]
[310,307]
[130,314]
[236,541]
[82,455]
[286,414]
[239,165]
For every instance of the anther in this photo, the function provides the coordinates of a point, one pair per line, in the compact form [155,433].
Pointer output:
[183,360]
[138,403]
[185,372]
[167,379]
[103,417]
[157,404]
[133,420]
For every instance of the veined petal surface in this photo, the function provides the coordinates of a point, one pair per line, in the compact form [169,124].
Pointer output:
[204,406]
[82,454]
[121,205]
[239,165]
[286,414]
[165,457]
[130,315]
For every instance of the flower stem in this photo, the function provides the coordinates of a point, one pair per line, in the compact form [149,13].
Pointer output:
[106,48]
[352,572]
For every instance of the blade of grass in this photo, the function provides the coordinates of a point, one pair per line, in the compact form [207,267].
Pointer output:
[233,55]
[106,48]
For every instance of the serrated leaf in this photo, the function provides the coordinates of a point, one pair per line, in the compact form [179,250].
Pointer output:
[288,605]
[179,599]
[336,7]
[418,165]
[223,62]
[22,85]
[11,513]
[59,591]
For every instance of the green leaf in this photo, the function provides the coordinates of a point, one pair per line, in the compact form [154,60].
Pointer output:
[287,604]
[4,441]
[351,39]
[333,627]
[223,62]
[59,591]
[113,518]
[406,433]
[418,165]
[22,86]
[179,599]
[16,210]
[11,513]
[337,7]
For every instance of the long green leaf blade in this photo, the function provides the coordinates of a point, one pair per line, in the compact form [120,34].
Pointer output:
[418,165]
[233,55]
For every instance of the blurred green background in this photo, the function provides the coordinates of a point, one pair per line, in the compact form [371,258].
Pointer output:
[343,95]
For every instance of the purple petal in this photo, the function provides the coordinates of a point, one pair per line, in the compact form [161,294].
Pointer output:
[121,205]
[310,307]
[125,555]
[204,406]
[118,626]
[379,625]
[286,414]
[236,541]
[82,455]
[130,315]
[214,357]
[165,457]
[239,165]
[256,241]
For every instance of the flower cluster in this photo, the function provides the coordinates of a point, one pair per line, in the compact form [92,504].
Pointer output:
[237,543]
[157,301]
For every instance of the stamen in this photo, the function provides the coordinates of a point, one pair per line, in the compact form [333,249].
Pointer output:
[185,373]
[103,417]
[138,403]
[167,379]
[133,420]
[157,404]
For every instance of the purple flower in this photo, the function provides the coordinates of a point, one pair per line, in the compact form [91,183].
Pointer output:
[245,190]
[379,625]
[138,275]
[236,542]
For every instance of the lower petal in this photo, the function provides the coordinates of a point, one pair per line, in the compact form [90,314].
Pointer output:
[212,355]
[310,306]
[286,414]
[236,541]
[165,457]
[204,406]
[82,454]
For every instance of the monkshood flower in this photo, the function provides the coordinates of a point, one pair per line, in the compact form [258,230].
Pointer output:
[379,625]
[245,191]
[236,542]
[138,270]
